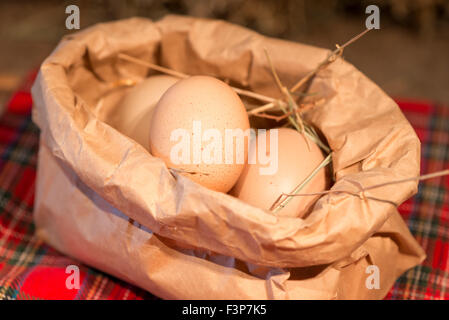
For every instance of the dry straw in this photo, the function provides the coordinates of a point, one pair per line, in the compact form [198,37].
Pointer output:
[362,189]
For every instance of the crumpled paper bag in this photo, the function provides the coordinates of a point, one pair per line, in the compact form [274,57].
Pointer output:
[103,199]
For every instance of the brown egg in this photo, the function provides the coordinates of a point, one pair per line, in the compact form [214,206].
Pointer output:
[295,163]
[133,115]
[189,127]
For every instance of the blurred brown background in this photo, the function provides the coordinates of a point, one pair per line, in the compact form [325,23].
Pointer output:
[408,57]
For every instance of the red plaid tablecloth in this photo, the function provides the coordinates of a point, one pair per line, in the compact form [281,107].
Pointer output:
[29,269]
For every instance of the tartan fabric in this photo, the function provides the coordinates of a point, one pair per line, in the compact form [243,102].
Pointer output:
[29,269]
[427,213]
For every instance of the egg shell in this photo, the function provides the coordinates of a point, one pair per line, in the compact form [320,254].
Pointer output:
[214,105]
[295,162]
[134,112]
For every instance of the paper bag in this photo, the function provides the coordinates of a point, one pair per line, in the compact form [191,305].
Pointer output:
[105,200]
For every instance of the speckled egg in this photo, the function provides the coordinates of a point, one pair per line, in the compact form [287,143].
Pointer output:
[191,131]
